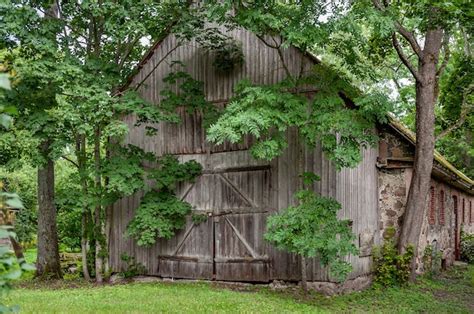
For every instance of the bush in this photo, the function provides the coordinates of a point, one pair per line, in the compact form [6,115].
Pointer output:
[431,261]
[391,268]
[312,229]
[22,181]
[467,248]
[133,267]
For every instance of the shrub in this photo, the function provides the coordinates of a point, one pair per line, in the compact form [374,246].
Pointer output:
[133,268]
[431,261]
[312,229]
[467,248]
[22,181]
[391,268]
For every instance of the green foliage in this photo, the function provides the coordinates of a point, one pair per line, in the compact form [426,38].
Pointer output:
[467,247]
[159,215]
[228,56]
[309,178]
[198,218]
[8,273]
[457,102]
[431,261]
[5,111]
[391,268]
[69,204]
[10,268]
[170,172]
[312,229]
[124,171]
[22,181]
[267,112]
[188,94]
[161,212]
[133,268]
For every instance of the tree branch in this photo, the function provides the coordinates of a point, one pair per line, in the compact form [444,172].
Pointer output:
[71,161]
[467,48]
[267,43]
[404,58]
[409,36]
[447,54]
[130,45]
[137,86]
[462,116]
[277,46]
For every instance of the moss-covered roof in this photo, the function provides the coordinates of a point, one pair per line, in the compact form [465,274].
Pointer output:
[437,156]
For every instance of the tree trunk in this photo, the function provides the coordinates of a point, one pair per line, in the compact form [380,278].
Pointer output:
[18,250]
[84,245]
[426,96]
[47,263]
[304,273]
[85,220]
[97,211]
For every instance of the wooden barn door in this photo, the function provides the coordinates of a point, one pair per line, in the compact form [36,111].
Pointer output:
[240,253]
[229,244]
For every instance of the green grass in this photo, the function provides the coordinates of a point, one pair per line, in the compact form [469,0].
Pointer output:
[30,255]
[450,292]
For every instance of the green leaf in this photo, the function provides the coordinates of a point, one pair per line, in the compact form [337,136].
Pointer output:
[15,274]
[4,81]
[14,203]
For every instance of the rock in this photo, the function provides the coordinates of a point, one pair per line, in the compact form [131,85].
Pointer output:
[116,278]
[357,284]
[145,279]
[391,213]
[332,288]
[72,269]
[398,205]
[327,288]
[401,191]
[278,285]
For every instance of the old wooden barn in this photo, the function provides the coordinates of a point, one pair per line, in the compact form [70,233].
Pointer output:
[238,192]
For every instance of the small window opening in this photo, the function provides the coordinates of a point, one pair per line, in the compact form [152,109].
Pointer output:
[432,213]
[441,208]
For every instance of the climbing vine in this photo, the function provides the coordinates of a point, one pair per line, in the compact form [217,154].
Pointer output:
[161,212]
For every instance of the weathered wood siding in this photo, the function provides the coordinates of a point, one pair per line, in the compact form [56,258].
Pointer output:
[236,191]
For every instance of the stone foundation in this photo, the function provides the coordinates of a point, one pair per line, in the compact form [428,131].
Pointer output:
[324,287]
[350,285]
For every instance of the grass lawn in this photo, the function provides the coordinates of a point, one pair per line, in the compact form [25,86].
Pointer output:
[452,291]
[30,255]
